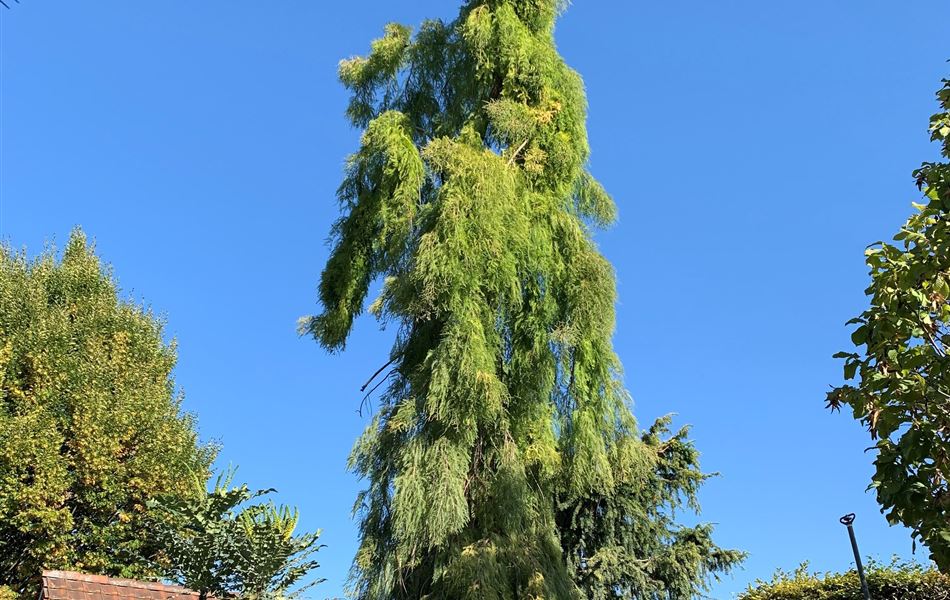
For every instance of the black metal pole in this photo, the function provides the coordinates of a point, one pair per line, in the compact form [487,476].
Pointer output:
[847,520]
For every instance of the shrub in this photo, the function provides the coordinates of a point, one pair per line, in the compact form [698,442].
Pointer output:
[894,581]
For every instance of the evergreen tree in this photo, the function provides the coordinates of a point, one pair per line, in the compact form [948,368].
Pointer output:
[504,441]
[90,422]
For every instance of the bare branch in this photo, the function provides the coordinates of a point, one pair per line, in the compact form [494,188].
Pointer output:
[511,160]
[378,371]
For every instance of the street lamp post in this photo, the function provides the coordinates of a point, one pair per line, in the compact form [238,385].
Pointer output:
[847,520]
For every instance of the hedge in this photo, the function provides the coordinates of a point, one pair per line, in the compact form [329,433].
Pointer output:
[894,581]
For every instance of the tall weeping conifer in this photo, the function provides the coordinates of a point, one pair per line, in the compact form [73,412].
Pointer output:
[503,461]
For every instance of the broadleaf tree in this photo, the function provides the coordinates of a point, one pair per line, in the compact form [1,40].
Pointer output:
[504,432]
[91,425]
[901,368]
[223,543]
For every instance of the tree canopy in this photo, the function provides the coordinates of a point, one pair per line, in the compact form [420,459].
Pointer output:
[100,471]
[901,367]
[503,461]
[91,425]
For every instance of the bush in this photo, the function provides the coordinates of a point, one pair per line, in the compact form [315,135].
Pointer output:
[894,581]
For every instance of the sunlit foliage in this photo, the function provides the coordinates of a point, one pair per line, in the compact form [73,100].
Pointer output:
[504,434]
[223,543]
[91,425]
[894,581]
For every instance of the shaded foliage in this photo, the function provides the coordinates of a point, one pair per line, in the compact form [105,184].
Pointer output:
[90,421]
[625,544]
[504,422]
[895,581]
[901,368]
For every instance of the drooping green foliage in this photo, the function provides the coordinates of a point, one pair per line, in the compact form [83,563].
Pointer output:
[505,421]
[90,422]
[902,369]
[217,544]
[894,581]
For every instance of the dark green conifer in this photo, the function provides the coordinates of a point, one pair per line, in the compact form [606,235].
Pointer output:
[504,461]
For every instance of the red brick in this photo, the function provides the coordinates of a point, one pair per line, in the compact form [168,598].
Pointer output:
[68,585]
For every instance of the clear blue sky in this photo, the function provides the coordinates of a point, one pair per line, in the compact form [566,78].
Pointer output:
[754,149]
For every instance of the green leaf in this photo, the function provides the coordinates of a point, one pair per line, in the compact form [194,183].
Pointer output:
[860,335]
[850,368]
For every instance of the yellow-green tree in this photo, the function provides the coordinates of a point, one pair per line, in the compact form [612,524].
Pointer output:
[91,426]
[504,461]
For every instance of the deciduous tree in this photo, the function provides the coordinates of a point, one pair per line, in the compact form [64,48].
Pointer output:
[901,368]
[91,425]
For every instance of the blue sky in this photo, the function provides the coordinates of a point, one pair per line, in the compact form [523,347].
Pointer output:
[754,149]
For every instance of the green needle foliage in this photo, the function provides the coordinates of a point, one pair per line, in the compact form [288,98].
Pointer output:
[90,422]
[217,544]
[504,461]
[622,542]
[902,369]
